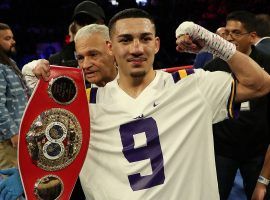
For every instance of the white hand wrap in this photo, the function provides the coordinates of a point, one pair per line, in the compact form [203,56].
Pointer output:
[213,42]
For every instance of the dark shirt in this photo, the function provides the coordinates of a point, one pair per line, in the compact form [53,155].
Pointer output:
[248,136]
[66,57]
[264,46]
[202,59]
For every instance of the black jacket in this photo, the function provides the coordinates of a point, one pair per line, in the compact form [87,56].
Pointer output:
[66,57]
[264,46]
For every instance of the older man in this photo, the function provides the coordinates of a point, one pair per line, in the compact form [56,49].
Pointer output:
[93,55]
[97,62]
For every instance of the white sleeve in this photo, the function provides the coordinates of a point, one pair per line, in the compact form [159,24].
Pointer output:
[30,78]
[27,68]
[218,89]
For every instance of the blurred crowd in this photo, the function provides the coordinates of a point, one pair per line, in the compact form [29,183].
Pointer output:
[40,27]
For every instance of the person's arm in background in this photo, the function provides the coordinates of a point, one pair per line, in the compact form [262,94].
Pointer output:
[263,181]
[261,188]
[11,186]
[253,81]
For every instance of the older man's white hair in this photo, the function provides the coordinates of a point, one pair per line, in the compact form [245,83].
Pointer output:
[88,30]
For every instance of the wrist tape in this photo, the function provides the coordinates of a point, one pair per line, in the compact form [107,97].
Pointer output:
[213,43]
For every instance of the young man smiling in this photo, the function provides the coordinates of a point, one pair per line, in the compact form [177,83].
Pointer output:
[140,151]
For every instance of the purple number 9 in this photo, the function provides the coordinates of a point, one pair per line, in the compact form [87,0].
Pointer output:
[151,150]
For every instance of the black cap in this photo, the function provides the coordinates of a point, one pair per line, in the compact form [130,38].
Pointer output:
[89,8]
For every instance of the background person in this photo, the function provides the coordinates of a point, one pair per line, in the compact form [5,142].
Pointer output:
[242,143]
[262,39]
[13,98]
[262,42]
[86,12]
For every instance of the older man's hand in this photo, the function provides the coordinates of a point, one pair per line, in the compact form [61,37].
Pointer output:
[42,69]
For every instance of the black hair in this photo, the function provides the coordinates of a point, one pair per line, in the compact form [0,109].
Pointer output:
[129,13]
[4,59]
[245,17]
[4,26]
[263,25]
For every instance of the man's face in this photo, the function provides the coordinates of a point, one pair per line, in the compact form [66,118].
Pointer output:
[7,42]
[134,46]
[238,35]
[96,60]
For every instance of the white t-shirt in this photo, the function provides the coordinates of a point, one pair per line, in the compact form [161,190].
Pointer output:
[158,146]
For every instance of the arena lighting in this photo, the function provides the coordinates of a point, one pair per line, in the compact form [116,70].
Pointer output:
[139,2]
[114,2]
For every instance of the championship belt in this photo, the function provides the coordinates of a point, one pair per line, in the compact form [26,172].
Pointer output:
[54,135]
